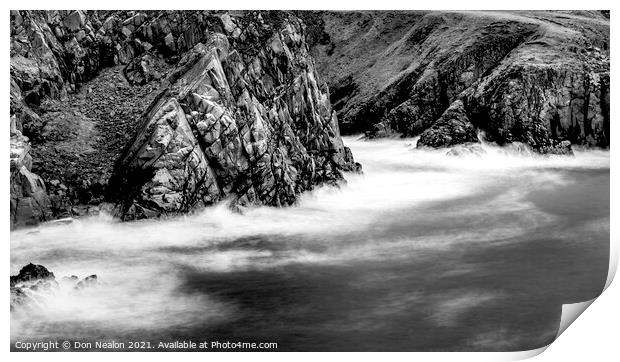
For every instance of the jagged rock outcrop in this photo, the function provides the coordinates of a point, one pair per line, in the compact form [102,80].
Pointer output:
[31,273]
[452,128]
[258,121]
[31,280]
[29,201]
[538,77]
[34,283]
[543,102]
[244,116]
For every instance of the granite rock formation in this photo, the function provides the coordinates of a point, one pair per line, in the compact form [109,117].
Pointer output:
[537,77]
[161,112]
[243,115]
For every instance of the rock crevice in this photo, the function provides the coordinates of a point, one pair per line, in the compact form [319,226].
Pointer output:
[238,112]
[537,77]
[253,125]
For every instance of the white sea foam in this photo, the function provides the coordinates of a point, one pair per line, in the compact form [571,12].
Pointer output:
[450,202]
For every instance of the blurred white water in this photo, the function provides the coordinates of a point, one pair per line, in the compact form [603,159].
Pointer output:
[140,265]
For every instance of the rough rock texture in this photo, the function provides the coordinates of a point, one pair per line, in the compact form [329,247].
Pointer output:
[538,77]
[30,203]
[239,89]
[52,54]
[87,282]
[30,273]
[244,116]
[453,127]
[30,280]
[34,283]
[82,137]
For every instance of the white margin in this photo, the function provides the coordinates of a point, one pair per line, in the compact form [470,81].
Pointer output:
[594,336]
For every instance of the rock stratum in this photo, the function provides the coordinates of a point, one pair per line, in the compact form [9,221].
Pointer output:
[162,112]
[536,77]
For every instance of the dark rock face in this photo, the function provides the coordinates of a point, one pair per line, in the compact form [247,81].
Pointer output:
[31,278]
[34,282]
[30,203]
[534,77]
[558,148]
[244,116]
[541,105]
[52,54]
[452,128]
[231,107]
[31,273]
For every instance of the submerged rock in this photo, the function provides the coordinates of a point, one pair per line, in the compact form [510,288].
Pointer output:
[89,281]
[467,150]
[73,279]
[518,148]
[515,148]
[255,125]
[559,148]
[380,130]
[32,273]
[34,283]
[29,202]
[32,280]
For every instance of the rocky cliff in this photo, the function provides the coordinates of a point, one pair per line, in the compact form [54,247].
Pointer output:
[536,77]
[161,112]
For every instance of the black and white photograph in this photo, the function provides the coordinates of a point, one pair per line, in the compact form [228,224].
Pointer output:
[305,180]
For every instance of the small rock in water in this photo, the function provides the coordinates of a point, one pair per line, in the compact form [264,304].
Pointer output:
[35,282]
[31,273]
[30,278]
[89,281]
[18,297]
[559,148]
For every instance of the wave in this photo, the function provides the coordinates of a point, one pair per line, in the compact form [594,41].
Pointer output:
[408,203]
